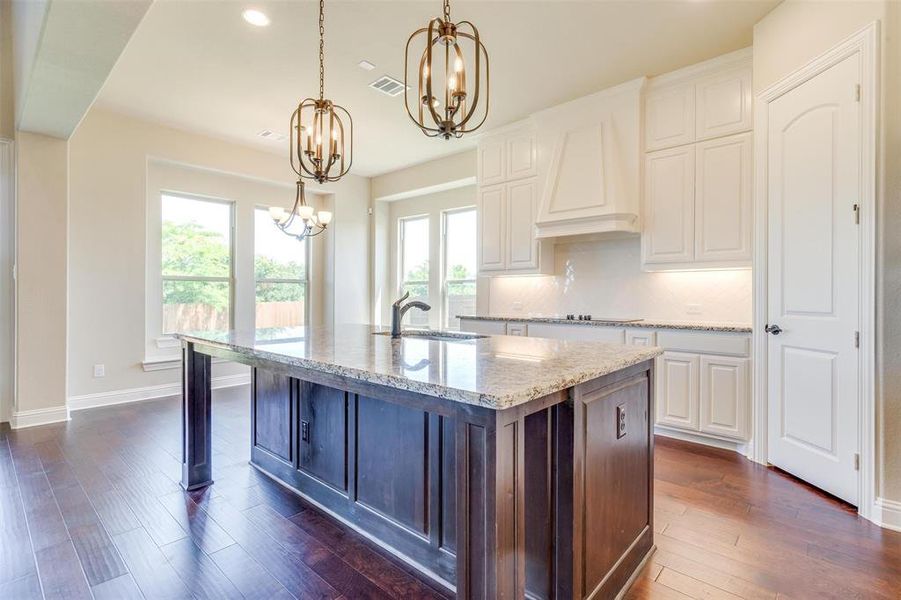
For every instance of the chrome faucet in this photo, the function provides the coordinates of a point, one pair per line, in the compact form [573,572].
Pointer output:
[399,309]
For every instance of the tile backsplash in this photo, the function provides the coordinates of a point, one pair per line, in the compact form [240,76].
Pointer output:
[605,279]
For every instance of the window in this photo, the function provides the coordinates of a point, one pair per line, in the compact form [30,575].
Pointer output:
[414,265]
[459,286]
[280,268]
[196,264]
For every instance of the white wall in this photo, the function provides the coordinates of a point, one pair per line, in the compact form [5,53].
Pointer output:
[788,37]
[109,157]
[604,279]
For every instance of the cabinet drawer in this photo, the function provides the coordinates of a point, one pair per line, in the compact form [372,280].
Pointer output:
[734,344]
[520,329]
[583,333]
[484,327]
[641,337]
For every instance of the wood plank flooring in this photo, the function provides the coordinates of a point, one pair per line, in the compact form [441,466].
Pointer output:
[92,508]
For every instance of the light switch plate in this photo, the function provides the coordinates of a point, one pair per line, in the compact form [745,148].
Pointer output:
[99,371]
[693,309]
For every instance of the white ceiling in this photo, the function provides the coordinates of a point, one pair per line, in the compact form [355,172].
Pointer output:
[198,66]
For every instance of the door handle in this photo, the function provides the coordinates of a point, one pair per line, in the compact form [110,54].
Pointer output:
[774,329]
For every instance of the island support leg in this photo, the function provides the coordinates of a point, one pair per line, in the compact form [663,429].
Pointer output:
[196,467]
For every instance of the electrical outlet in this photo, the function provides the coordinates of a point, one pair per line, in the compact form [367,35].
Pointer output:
[516,306]
[99,371]
[693,309]
[620,421]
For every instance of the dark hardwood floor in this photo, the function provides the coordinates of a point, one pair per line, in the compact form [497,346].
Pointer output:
[93,508]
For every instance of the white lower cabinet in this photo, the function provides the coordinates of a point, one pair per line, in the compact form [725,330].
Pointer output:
[677,390]
[724,396]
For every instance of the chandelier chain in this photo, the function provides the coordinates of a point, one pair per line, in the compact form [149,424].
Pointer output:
[447,11]
[321,49]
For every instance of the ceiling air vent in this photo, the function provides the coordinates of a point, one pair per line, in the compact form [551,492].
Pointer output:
[388,86]
[268,134]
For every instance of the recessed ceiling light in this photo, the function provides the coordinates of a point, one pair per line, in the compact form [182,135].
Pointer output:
[366,65]
[255,17]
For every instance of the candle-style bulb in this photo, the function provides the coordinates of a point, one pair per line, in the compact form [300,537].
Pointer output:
[458,64]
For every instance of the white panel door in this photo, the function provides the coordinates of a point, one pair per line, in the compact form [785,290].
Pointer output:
[669,117]
[677,391]
[724,104]
[723,200]
[724,396]
[492,163]
[522,204]
[492,228]
[813,156]
[669,193]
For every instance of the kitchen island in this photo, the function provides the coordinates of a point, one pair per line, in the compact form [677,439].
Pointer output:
[502,467]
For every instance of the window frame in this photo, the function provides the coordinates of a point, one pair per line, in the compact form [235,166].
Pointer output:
[445,280]
[306,271]
[230,278]
[401,282]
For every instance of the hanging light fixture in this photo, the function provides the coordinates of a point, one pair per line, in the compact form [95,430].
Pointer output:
[446,104]
[308,223]
[317,151]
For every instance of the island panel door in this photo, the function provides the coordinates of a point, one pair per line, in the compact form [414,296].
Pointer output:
[323,434]
[272,413]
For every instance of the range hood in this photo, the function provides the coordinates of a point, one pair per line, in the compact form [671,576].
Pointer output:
[591,152]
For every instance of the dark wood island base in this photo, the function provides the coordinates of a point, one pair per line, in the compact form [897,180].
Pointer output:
[551,498]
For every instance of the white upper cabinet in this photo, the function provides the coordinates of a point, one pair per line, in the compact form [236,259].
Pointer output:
[724,104]
[492,228]
[698,183]
[492,166]
[590,176]
[508,192]
[723,200]
[669,117]
[669,206]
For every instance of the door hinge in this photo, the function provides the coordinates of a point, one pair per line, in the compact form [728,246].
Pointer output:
[856,210]
[857,339]
[857,462]
[857,92]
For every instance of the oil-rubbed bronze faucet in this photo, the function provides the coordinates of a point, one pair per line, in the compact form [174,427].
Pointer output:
[399,309]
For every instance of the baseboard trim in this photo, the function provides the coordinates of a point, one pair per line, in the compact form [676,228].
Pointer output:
[39,416]
[151,392]
[686,436]
[887,514]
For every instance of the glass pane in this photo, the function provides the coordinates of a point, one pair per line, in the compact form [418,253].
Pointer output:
[460,244]
[461,300]
[276,256]
[415,256]
[196,237]
[280,305]
[195,305]
[416,317]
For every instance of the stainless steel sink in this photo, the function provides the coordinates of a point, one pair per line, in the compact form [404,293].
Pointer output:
[447,336]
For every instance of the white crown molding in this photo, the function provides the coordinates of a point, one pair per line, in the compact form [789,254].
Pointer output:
[733,60]
[151,392]
[39,416]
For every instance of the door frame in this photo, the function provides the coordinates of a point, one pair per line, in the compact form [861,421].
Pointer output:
[864,42]
[8,230]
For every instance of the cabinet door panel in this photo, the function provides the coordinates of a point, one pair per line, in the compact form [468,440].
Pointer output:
[677,392]
[492,228]
[272,412]
[724,396]
[521,156]
[323,434]
[670,117]
[522,247]
[492,163]
[724,104]
[723,200]
[668,235]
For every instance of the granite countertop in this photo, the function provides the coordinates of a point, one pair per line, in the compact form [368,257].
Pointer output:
[493,371]
[644,323]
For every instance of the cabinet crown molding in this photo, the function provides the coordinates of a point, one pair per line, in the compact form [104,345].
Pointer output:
[737,59]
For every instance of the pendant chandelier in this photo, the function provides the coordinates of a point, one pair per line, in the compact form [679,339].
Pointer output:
[317,151]
[446,104]
[301,221]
